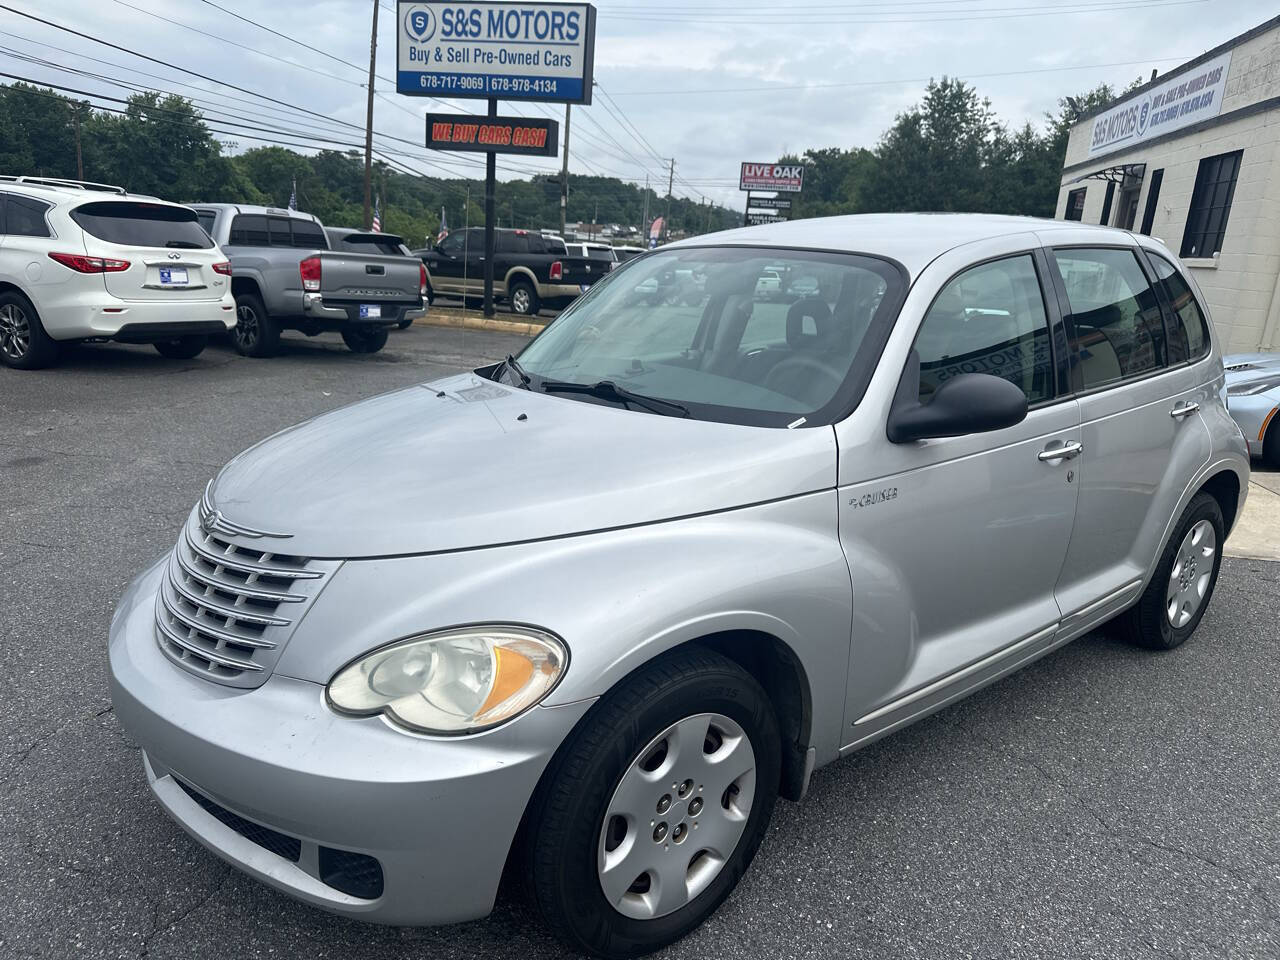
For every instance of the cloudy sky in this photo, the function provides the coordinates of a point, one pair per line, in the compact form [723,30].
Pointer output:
[710,82]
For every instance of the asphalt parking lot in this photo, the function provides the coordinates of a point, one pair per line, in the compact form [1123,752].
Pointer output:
[1105,802]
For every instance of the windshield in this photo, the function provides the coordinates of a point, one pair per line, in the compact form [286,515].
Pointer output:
[696,326]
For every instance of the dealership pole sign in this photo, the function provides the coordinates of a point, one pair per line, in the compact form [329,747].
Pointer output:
[772,177]
[511,51]
[1174,102]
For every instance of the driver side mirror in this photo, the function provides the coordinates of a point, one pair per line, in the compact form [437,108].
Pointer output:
[969,403]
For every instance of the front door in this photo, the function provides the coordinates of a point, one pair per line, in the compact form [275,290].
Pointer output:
[955,544]
[446,263]
[1144,440]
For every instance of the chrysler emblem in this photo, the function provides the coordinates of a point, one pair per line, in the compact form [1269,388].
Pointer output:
[212,521]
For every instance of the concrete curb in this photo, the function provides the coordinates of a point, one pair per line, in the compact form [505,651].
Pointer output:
[481,323]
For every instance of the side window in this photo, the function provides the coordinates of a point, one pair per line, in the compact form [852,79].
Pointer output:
[1075,205]
[24,217]
[452,245]
[206,218]
[278,228]
[1189,338]
[989,319]
[248,230]
[1118,328]
[308,236]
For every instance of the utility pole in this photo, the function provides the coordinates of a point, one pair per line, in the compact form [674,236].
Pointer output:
[79,156]
[368,124]
[671,180]
[490,200]
[644,219]
[564,173]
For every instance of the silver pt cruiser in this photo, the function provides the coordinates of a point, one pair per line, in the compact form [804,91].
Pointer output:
[589,611]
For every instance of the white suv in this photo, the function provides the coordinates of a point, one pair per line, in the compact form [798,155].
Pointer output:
[82,261]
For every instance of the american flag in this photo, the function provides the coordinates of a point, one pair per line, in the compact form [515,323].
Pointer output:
[444,228]
[377,215]
[293,197]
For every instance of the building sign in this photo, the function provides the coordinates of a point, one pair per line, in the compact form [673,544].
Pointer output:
[773,177]
[1176,101]
[771,203]
[511,51]
[756,219]
[532,137]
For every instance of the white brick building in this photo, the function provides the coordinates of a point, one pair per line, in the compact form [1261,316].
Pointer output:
[1193,158]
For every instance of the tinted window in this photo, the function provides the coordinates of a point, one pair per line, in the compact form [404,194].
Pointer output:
[206,218]
[989,319]
[24,217]
[1119,331]
[1211,205]
[452,245]
[309,236]
[1075,205]
[279,232]
[141,225]
[685,325]
[600,253]
[1189,338]
[248,230]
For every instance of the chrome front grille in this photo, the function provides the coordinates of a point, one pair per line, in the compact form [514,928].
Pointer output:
[224,610]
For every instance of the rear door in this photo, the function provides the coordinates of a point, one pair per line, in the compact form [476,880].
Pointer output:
[1142,433]
[170,255]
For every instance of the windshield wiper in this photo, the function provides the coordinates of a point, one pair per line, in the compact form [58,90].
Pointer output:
[513,365]
[183,245]
[608,390]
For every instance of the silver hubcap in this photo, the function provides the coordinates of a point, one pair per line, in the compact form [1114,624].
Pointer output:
[520,301]
[676,816]
[15,332]
[1192,568]
[246,325]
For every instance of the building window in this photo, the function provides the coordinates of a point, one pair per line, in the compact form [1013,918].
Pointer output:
[1106,202]
[1075,205]
[1153,199]
[1211,205]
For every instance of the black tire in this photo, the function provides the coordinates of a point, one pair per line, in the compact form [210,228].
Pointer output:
[1271,445]
[524,299]
[24,345]
[184,348]
[365,341]
[405,324]
[256,334]
[566,819]
[1148,622]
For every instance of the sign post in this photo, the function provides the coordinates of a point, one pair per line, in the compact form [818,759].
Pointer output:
[487,50]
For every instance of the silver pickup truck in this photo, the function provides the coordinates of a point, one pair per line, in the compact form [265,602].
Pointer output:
[285,274]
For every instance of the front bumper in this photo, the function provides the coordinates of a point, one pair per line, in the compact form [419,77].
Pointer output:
[438,815]
[314,307]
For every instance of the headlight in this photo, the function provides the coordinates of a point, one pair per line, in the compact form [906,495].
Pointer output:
[453,682]
[1252,389]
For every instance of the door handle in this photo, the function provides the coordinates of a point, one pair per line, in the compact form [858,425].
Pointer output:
[1184,410]
[1067,451]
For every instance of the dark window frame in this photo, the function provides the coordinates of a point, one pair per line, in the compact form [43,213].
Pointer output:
[1210,209]
[1153,200]
[1172,321]
[1107,200]
[1067,213]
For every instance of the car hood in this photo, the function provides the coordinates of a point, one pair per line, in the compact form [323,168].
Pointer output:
[466,462]
[1248,367]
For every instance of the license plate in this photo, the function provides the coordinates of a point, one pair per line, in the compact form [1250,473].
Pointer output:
[370,312]
[173,277]
[584,287]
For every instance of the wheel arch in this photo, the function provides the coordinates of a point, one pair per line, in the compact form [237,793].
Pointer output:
[1224,486]
[242,285]
[521,273]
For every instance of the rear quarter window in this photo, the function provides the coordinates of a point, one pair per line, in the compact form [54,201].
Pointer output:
[249,230]
[133,224]
[24,217]
[308,236]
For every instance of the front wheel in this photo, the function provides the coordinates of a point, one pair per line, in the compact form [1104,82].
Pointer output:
[183,348]
[524,299]
[1175,600]
[365,341]
[654,807]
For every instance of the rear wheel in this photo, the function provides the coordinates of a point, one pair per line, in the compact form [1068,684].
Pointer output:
[365,341]
[653,809]
[405,324]
[256,334]
[524,299]
[23,343]
[183,348]
[1175,600]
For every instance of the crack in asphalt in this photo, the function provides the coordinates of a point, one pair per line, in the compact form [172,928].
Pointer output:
[159,927]
[1115,833]
[21,755]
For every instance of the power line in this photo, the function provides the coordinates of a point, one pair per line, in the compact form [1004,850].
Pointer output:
[941,16]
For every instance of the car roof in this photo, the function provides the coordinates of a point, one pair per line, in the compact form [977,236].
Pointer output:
[61,191]
[912,239]
[251,208]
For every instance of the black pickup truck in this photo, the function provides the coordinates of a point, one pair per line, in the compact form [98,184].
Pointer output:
[530,270]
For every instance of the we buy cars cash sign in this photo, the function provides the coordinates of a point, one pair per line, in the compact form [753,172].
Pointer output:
[507,51]
[779,177]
